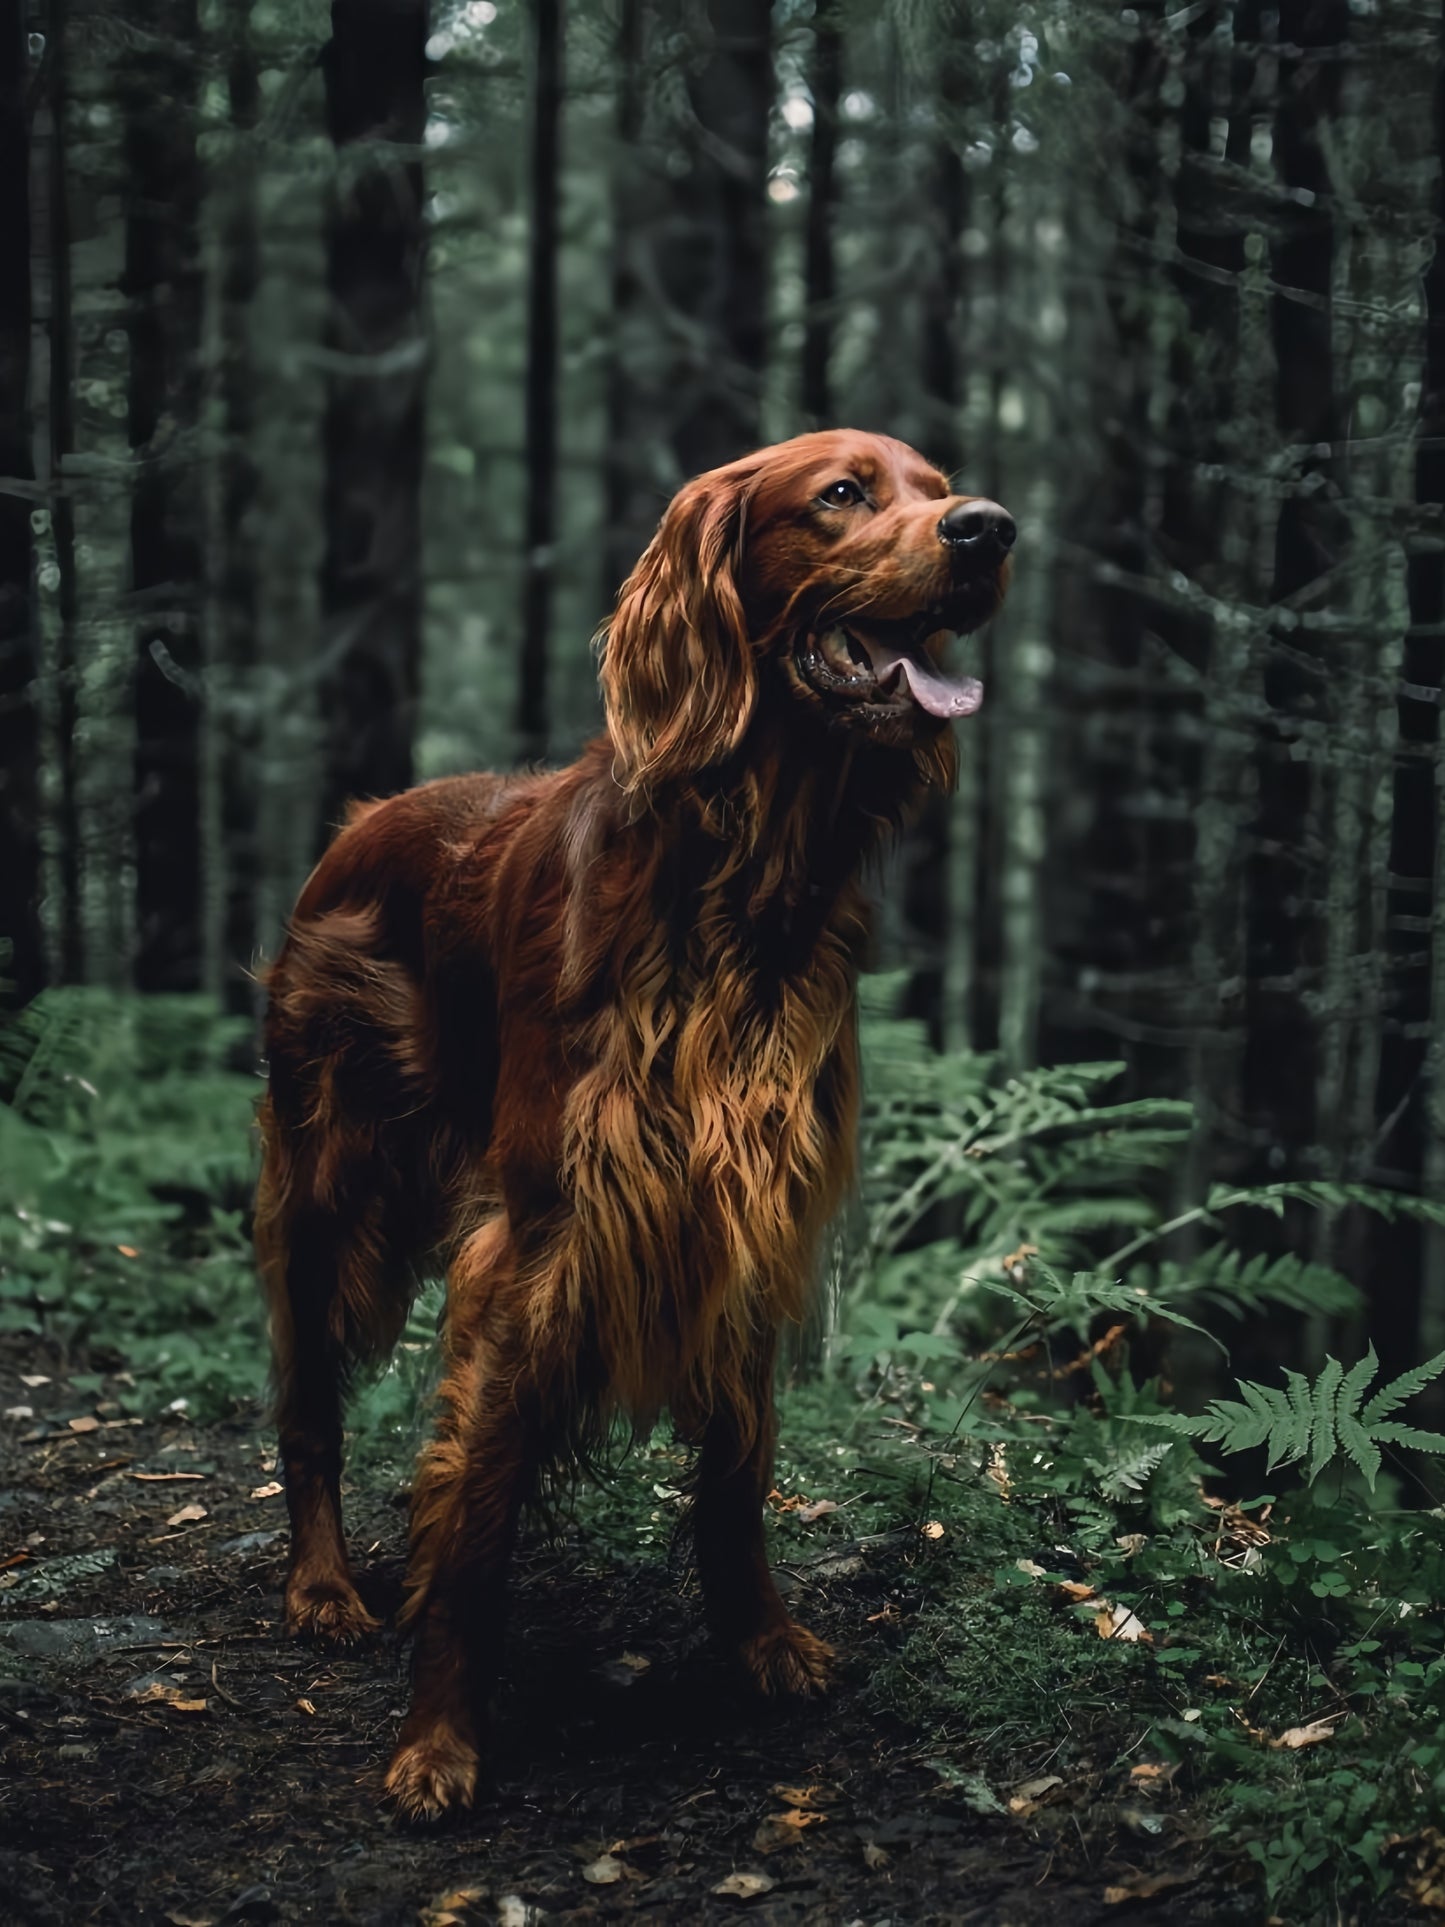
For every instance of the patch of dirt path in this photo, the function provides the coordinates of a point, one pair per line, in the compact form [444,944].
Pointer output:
[168,1755]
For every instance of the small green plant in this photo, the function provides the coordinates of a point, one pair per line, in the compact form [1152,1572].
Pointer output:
[1322,1421]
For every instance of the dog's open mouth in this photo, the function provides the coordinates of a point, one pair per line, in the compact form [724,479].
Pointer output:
[893,665]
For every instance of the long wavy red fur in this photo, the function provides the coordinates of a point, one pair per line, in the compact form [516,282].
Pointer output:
[586,1038]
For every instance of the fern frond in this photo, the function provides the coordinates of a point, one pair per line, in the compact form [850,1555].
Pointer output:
[1391,1396]
[1320,1422]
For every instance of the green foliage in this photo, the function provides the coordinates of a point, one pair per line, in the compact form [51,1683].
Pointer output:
[126,1153]
[1004,1222]
[964,1168]
[1323,1421]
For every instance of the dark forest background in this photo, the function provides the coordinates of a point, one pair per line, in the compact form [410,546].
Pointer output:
[348,355]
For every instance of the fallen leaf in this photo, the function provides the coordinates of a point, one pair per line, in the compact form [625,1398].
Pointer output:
[1076,1589]
[86,1424]
[449,1910]
[1025,1799]
[807,1797]
[127,1251]
[165,1478]
[1117,1622]
[1310,1734]
[157,1692]
[1031,1567]
[816,1509]
[154,1689]
[306,1706]
[267,1491]
[933,1530]
[745,1886]
[1153,1770]
[19,1412]
[1144,1886]
[189,1920]
[187,1515]
[875,1858]
[784,1829]
[31,1379]
[604,1871]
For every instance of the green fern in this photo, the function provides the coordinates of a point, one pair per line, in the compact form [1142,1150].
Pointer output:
[1228,1281]
[1322,1422]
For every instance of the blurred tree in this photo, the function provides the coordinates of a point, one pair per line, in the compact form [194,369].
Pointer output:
[55,414]
[715,260]
[19,722]
[376,360]
[1288,867]
[626,508]
[820,280]
[540,533]
[163,288]
[1409,1259]
[241,745]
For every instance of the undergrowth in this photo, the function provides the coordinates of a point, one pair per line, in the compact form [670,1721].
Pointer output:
[1088,1605]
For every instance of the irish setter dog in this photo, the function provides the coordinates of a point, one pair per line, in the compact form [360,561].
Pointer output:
[586,1037]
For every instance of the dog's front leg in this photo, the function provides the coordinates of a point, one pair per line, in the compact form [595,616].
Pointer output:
[733,1476]
[470,1488]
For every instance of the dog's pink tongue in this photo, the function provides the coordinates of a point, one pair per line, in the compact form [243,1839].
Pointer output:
[940,695]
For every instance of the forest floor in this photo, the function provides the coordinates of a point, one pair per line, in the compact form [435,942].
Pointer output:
[170,1756]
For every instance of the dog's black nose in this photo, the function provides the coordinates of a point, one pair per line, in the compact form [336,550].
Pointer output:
[978,527]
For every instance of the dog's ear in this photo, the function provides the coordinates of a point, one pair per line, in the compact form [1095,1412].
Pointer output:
[679,676]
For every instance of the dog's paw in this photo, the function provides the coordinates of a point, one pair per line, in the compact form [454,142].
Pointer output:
[786,1661]
[432,1775]
[330,1611]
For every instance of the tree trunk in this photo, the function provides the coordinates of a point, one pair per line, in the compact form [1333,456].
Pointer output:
[547,85]
[23,971]
[714,270]
[241,737]
[163,285]
[819,284]
[627,519]
[54,392]
[376,356]
[1287,924]
[1409,1258]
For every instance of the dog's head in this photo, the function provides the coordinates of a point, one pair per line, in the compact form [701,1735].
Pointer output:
[828,574]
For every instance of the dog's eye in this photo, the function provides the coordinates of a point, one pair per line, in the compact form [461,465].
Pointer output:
[841,495]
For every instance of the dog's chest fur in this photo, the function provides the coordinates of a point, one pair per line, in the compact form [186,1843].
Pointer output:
[703,1153]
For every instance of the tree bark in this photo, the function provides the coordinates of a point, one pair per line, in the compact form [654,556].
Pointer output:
[1287,933]
[241,741]
[163,285]
[547,83]
[55,440]
[1410,1095]
[715,262]
[376,354]
[23,972]
[819,280]
[626,508]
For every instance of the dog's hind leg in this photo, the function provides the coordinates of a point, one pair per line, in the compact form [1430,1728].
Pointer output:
[312,1261]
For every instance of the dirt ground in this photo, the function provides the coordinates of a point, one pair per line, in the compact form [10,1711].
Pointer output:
[167,1755]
